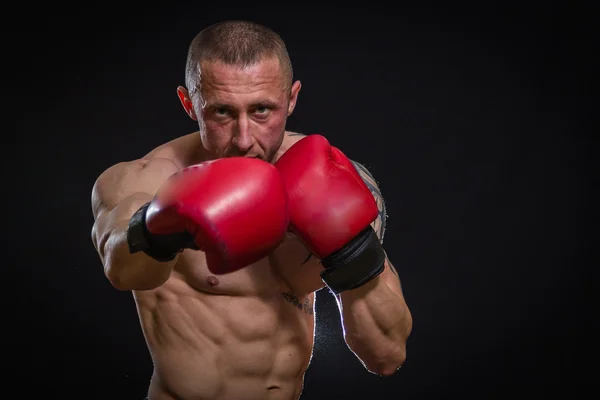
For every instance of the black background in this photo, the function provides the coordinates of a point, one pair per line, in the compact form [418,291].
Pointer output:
[475,120]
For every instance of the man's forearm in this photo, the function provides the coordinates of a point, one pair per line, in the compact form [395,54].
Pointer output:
[377,322]
[124,270]
[132,271]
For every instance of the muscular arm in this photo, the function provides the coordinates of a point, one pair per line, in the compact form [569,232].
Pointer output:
[117,194]
[375,317]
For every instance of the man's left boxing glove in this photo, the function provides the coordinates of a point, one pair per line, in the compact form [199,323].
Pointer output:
[331,209]
[233,209]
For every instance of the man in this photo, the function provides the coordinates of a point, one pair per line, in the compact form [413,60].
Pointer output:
[224,235]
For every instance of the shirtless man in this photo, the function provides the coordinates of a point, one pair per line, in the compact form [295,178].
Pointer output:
[224,235]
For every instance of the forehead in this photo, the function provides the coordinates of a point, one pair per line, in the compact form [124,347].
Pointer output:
[230,82]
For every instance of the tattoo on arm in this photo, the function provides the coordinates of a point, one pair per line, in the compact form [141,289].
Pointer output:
[367,177]
[305,306]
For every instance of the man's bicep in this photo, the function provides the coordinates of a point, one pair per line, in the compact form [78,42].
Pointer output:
[380,222]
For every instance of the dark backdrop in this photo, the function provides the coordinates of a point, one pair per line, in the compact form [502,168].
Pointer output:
[475,121]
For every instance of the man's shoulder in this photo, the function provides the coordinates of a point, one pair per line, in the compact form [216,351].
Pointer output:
[156,165]
[183,151]
[169,155]
[293,137]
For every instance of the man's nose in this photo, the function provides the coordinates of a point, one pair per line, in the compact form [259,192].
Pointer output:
[242,137]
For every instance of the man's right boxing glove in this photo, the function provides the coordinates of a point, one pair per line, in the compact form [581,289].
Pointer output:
[233,209]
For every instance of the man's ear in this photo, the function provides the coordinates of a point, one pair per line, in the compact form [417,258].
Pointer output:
[294,97]
[186,102]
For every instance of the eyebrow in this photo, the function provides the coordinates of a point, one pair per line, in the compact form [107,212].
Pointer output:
[261,103]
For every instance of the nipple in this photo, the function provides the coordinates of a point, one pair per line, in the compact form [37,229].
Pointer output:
[212,280]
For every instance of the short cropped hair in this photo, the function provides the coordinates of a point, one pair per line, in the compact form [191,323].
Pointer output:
[239,43]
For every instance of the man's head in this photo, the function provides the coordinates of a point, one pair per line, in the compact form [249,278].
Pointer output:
[240,89]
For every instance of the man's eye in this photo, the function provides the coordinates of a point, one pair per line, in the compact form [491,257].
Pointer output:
[221,111]
[261,110]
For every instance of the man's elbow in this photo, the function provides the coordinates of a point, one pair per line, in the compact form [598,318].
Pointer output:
[388,365]
[384,361]
[123,281]
[118,283]
[128,276]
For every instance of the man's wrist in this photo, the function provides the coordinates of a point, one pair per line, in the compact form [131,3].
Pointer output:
[357,263]
[162,248]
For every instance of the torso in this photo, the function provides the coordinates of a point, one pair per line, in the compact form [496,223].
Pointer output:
[245,335]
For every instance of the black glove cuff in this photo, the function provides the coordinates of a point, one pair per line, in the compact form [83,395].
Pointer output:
[357,263]
[140,239]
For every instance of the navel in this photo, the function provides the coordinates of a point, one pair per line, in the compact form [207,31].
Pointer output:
[212,280]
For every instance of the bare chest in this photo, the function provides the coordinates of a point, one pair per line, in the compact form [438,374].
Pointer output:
[289,268]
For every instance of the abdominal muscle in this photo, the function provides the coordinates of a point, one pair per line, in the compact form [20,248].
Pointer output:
[236,346]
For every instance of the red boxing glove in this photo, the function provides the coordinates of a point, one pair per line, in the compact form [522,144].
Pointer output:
[233,209]
[331,209]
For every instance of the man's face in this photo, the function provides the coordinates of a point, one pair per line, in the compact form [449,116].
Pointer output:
[242,111]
